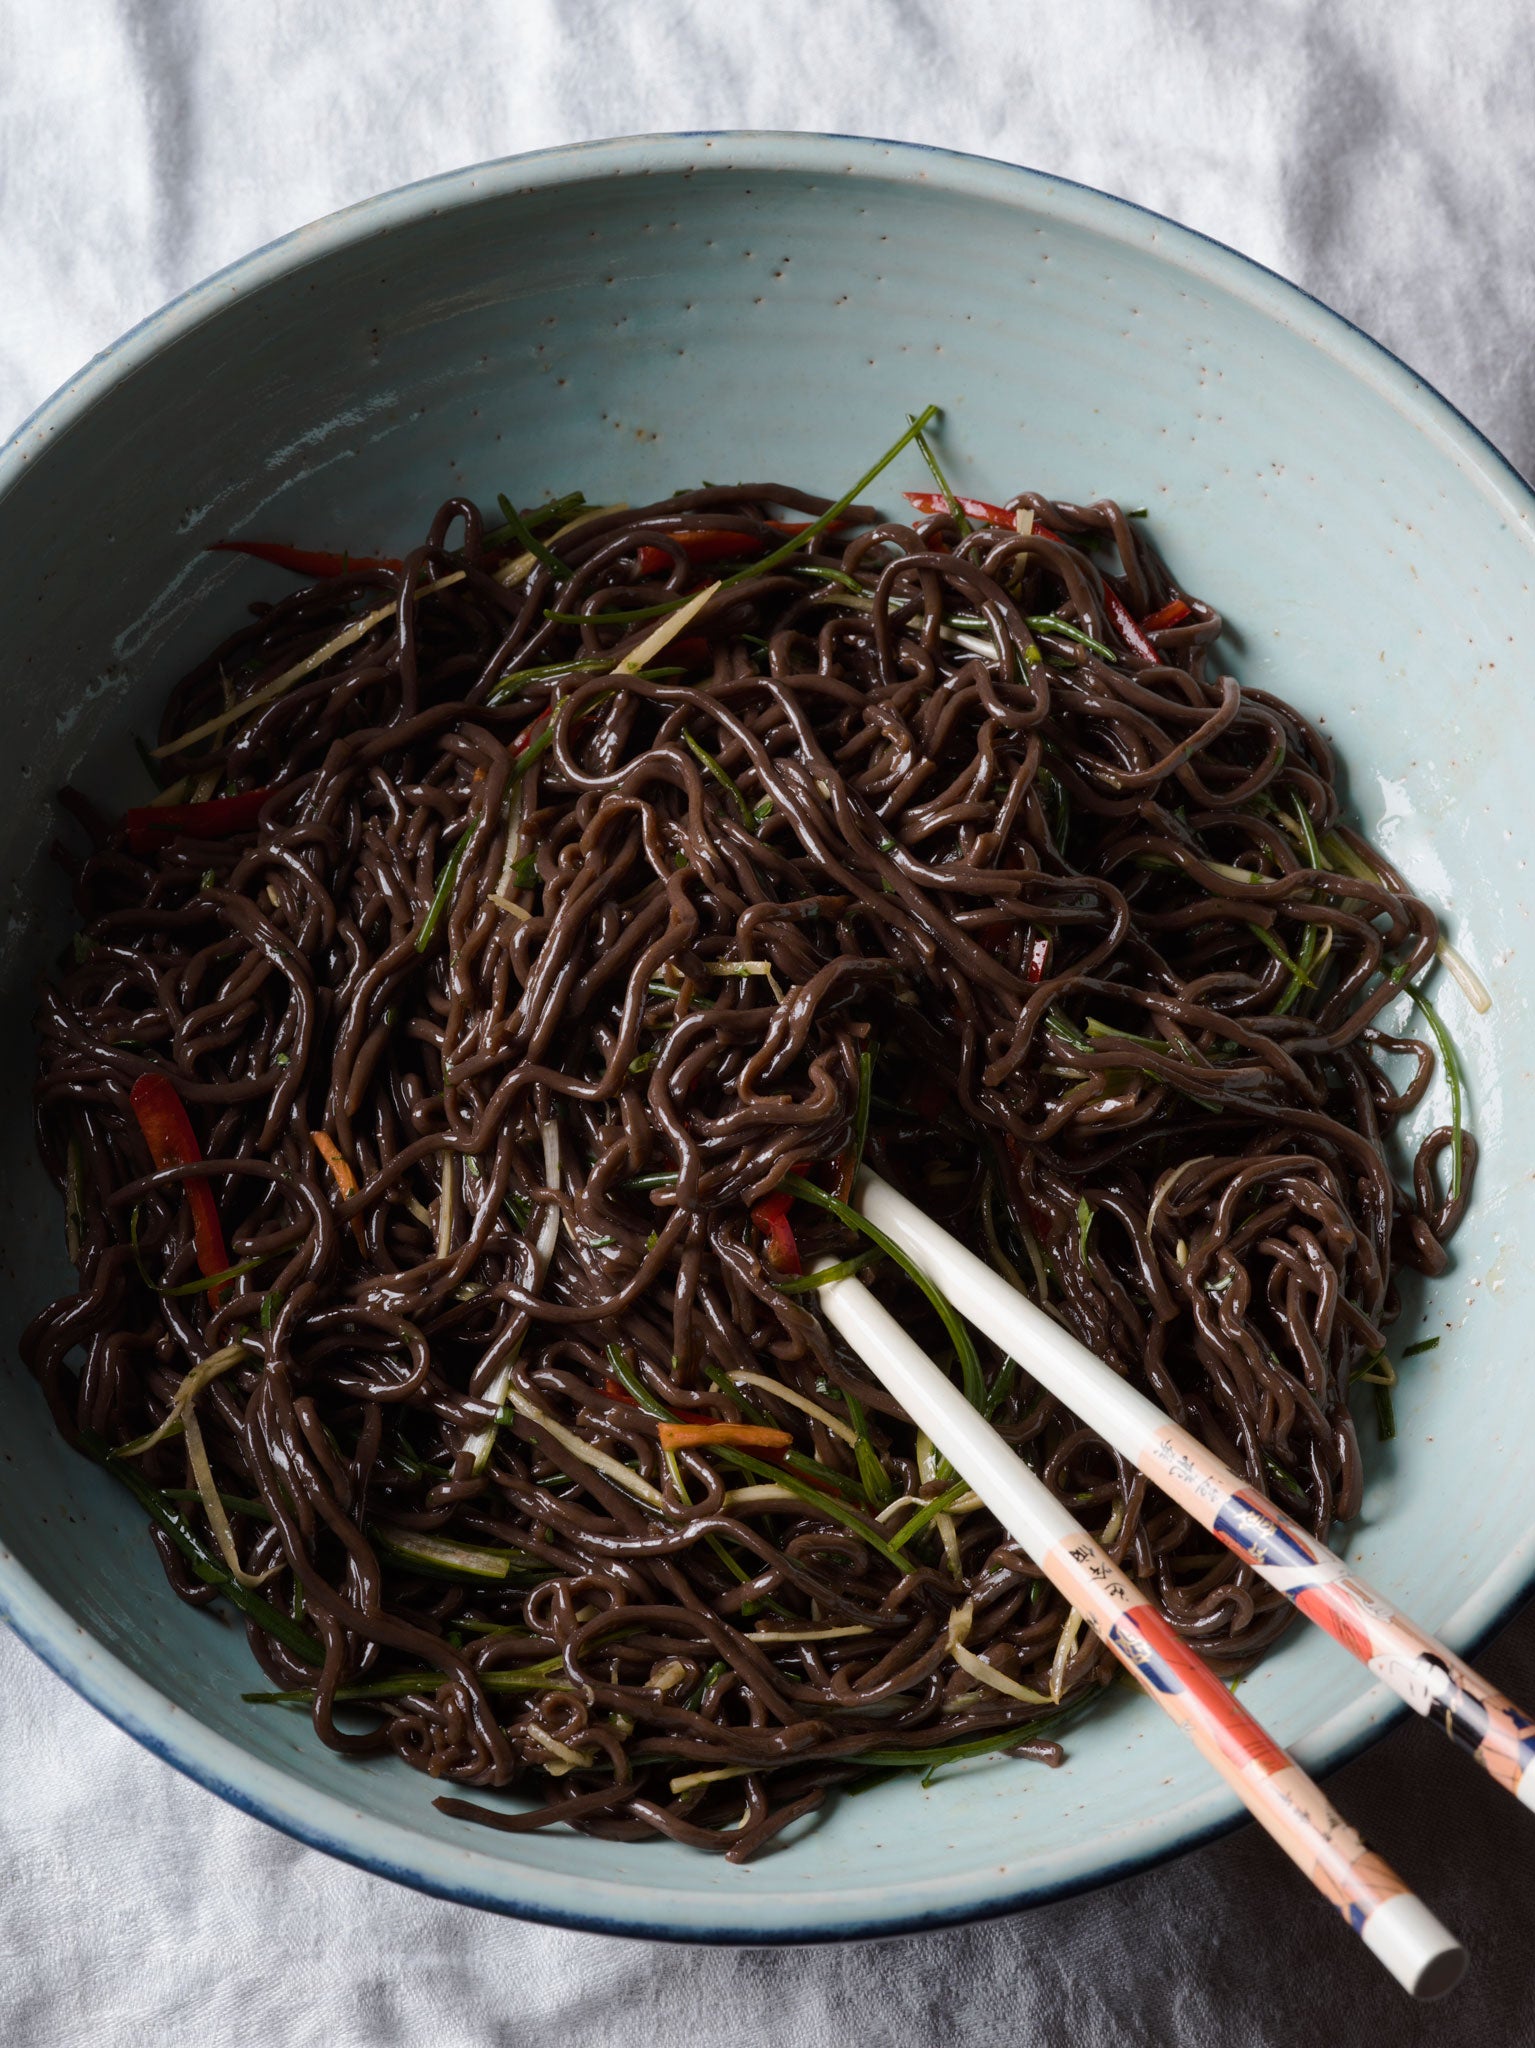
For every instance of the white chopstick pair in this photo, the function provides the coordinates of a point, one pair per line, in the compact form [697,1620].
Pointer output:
[1420,1953]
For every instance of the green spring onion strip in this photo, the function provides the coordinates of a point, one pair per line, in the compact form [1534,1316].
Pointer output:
[1299,977]
[958,1335]
[442,895]
[1084,1225]
[628,1378]
[1456,1079]
[726,781]
[930,1760]
[206,1566]
[1300,970]
[928,1512]
[438,1557]
[210,1280]
[235,1503]
[861,1108]
[823,1503]
[543,1677]
[925,450]
[1001,1386]
[508,685]
[846,1269]
[1066,631]
[834,512]
[521,531]
[853,1488]
[555,513]
[752,1410]
[768,562]
[611,618]
[838,576]
[1285,1481]
[1425,1344]
[876,1480]
[1385,1414]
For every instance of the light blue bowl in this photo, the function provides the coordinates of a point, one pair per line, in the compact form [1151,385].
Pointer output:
[628,317]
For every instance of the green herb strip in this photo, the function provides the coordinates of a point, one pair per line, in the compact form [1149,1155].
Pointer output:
[824,1503]
[206,1567]
[925,450]
[958,1335]
[442,895]
[726,781]
[521,531]
[929,1511]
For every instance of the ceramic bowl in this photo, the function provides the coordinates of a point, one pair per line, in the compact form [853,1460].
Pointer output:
[628,317]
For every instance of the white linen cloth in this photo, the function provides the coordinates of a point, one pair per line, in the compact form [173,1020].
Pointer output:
[1381,154]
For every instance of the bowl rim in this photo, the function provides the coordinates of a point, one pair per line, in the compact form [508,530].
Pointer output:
[459,1872]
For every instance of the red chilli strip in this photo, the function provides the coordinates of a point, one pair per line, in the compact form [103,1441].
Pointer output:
[973,508]
[1170,615]
[150,825]
[529,734]
[303,561]
[1126,627]
[615,1392]
[976,508]
[168,1133]
[771,1216]
[1039,960]
[687,1436]
[719,544]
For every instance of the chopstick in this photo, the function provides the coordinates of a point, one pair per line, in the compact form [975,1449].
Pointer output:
[1419,1669]
[1392,1922]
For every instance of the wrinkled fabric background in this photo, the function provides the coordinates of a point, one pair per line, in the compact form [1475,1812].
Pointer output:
[1383,155]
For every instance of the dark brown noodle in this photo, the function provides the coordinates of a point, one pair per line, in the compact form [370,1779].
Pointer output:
[1091,924]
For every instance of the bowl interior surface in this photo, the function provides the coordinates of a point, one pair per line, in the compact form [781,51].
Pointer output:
[629,318]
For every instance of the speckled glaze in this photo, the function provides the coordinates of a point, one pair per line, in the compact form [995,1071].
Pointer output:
[629,317]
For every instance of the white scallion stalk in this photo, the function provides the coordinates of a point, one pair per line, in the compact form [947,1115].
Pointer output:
[199,1377]
[795,1399]
[549,1229]
[347,637]
[440,1553]
[1168,1182]
[689,1779]
[894,1507]
[948,1536]
[1064,1648]
[620,1474]
[445,1205]
[568,1759]
[213,1506]
[1470,983]
[742,968]
[665,633]
[482,1442]
[959,1628]
[807,1635]
[74,1204]
[521,567]
[999,1681]
[760,1496]
[501,894]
